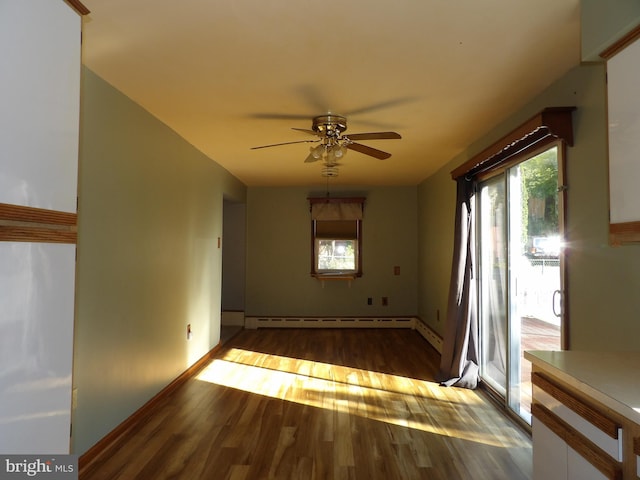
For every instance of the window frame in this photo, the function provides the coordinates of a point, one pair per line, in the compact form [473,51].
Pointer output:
[357,228]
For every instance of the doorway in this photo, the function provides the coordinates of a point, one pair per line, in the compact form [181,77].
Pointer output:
[520,231]
[233,268]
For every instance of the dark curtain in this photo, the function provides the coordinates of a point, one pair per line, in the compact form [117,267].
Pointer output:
[459,362]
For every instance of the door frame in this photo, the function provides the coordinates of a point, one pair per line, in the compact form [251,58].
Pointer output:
[502,169]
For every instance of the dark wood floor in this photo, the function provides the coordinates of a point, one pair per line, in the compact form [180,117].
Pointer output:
[320,404]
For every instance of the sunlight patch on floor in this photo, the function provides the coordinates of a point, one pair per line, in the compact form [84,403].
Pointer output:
[396,400]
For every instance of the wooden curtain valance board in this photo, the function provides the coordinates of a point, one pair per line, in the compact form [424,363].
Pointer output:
[621,44]
[553,122]
[78,6]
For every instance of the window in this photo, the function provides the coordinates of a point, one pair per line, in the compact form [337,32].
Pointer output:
[336,225]
[335,254]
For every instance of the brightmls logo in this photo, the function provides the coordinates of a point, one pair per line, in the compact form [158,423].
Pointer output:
[50,467]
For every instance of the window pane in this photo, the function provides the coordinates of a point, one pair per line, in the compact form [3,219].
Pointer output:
[493,285]
[520,276]
[336,254]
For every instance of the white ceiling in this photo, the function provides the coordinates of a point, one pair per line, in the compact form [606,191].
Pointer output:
[230,75]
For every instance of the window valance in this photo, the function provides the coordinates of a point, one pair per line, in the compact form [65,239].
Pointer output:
[334,209]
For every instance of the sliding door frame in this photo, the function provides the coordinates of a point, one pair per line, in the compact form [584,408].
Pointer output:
[503,170]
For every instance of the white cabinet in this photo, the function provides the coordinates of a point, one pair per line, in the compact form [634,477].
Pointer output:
[40,98]
[549,454]
[586,424]
[553,459]
[39,125]
[623,75]
[578,468]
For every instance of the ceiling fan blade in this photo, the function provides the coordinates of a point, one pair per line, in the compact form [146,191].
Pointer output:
[284,143]
[278,116]
[373,136]
[380,105]
[305,130]
[373,152]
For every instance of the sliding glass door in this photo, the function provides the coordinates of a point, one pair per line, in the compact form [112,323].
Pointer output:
[520,275]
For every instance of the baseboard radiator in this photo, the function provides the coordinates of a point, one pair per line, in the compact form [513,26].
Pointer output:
[347,322]
[429,335]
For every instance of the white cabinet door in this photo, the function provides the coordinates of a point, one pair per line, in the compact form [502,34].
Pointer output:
[40,101]
[549,453]
[623,75]
[36,346]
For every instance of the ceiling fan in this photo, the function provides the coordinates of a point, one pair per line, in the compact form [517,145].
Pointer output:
[333,145]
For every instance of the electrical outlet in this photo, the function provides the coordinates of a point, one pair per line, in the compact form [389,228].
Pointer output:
[385,301]
[189,332]
[370,301]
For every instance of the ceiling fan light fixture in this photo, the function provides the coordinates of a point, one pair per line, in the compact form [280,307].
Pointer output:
[317,151]
[334,145]
[339,150]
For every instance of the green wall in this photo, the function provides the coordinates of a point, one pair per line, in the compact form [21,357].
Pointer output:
[436,213]
[603,281]
[279,249]
[150,214]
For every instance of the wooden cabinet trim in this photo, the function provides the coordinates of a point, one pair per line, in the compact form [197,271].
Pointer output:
[621,44]
[27,224]
[601,421]
[21,213]
[78,7]
[621,233]
[37,235]
[590,452]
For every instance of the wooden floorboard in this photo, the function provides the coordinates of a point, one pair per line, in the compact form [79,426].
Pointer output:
[320,404]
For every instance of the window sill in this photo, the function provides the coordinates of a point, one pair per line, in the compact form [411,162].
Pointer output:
[335,276]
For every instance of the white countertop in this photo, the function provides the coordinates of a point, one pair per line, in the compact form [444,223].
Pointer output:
[612,378]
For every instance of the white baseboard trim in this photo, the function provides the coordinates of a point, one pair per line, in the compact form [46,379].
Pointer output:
[427,333]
